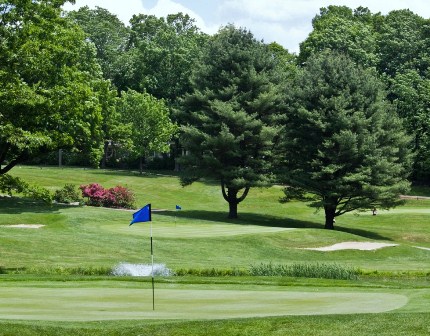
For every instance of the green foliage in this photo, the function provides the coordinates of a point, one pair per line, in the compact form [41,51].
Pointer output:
[63,270]
[152,128]
[48,75]
[109,35]
[68,194]
[228,119]
[324,271]
[343,140]
[344,30]
[39,193]
[162,53]
[9,184]
[396,45]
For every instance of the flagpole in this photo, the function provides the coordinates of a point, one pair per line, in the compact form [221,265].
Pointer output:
[144,215]
[152,272]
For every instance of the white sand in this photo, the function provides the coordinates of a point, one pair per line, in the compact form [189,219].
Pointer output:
[423,248]
[25,226]
[364,246]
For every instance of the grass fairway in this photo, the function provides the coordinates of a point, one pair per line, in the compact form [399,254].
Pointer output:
[53,284]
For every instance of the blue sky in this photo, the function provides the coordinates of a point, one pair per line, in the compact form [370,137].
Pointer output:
[287,22]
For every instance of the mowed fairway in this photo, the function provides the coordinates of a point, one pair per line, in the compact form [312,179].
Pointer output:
[102,302]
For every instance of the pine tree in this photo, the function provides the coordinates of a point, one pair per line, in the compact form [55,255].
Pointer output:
[228,118]
[344,142]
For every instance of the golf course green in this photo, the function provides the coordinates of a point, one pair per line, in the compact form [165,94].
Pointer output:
[183,302]
[56,264]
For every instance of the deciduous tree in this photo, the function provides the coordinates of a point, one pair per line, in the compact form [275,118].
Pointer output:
[48,75]
[151,127]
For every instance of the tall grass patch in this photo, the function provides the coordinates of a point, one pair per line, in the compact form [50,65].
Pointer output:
[317,270]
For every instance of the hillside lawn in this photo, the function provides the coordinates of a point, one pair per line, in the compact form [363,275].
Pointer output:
[57,273]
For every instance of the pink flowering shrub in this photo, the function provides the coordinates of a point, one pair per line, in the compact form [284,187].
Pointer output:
[118,197]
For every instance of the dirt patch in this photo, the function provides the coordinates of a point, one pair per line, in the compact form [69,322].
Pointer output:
[363,246]
[25,226]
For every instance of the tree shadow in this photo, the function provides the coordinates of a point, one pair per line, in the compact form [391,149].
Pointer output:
[245,218]
[17,205]
[363,233]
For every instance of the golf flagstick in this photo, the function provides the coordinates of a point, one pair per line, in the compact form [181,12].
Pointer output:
[152,272]
[144,215]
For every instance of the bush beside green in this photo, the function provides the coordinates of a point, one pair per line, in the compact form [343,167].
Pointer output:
[68,194]
[117,197]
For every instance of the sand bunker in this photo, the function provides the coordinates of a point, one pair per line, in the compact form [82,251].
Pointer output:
[25,226]
[364,246]
[422,248]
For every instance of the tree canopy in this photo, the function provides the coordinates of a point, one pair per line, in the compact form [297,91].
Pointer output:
[228,129]
[344,142]
[48,80]
[395,44]
[151,127]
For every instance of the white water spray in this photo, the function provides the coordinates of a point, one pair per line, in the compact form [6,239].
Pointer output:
[124,269]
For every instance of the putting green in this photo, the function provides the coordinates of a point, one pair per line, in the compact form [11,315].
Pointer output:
[183,302]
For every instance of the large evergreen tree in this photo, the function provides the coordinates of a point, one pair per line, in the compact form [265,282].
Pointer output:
[395,44]
[344,141]
[228,118]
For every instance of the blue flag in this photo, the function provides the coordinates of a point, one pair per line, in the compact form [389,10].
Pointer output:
[143,215]
[178,207]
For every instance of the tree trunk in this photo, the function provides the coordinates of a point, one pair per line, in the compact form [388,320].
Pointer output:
[230,195]
[330,212]
[232,210]
[141,165]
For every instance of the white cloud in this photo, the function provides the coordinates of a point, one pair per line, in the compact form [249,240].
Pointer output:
[165,7]
[287,22]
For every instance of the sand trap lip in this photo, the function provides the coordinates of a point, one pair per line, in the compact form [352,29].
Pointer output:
[363,246]
[24,226]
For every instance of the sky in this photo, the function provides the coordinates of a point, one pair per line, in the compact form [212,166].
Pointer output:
[287,22]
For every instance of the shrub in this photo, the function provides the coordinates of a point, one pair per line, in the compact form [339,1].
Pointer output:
[68,194]
[121,197]
[39,193]
[9,184]
[117,197]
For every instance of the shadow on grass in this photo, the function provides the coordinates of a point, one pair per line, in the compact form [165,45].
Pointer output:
[17,205]
[245,218]
[363,233]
